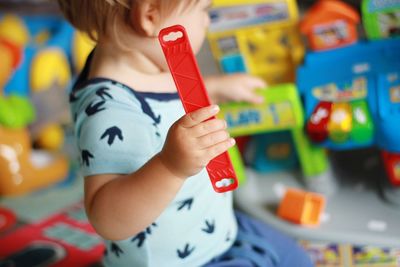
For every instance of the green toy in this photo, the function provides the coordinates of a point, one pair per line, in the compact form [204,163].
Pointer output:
[15,112]
[381,18]
[237,163]
[281,110]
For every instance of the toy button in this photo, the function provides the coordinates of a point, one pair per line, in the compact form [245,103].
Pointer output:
[392,166]
[317,125]
[363,126]
[340,122]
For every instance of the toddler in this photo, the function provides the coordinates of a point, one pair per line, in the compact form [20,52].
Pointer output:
[147,192]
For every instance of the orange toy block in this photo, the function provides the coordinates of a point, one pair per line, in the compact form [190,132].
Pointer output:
[301,207]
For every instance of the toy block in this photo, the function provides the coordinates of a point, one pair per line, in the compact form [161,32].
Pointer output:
[301,207]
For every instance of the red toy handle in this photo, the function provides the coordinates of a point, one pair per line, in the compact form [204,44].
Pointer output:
[185,71]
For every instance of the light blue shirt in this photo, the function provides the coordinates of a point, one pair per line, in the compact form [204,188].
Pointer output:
[118,130]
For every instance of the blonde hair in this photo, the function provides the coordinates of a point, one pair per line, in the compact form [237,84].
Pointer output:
[98,18]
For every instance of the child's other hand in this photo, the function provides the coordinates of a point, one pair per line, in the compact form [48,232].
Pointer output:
[234,87]
[192,142]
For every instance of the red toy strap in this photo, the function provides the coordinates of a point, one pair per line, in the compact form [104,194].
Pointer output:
[185,71]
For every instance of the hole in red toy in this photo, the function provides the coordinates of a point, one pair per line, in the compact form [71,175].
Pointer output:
[172,36]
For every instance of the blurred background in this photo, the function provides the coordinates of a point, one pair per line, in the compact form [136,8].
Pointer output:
[319,160]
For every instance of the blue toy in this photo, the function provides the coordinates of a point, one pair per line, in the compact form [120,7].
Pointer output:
[44,34]
[356,104]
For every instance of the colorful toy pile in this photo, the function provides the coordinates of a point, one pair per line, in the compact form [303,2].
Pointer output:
[34,62]
[238,33]
[351,93]
[345,107]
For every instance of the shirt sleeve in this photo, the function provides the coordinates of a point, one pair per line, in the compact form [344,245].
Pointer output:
[113,133]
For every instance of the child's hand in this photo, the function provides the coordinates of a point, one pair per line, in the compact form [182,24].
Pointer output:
[234,87]
[192,142]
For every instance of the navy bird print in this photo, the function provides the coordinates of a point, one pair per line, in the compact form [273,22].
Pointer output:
[86,156]
[141,237]
[185,252]
[116,249]
[102,92]
[143,103]
[186,203]
[210,227]
[112,133]
[92,108]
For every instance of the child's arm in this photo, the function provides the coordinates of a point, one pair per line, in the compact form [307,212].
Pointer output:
[234,87]
[120,206]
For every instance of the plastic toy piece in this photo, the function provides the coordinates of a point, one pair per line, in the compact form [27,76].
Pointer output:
[183,66]
[49,67]
[281,110]
[363,127]
[381,18]
[392,166]
[317,125]
[59,240]
[15,150]
[330,24]
[22,169]
[301,207]
[340,122]
[240,29]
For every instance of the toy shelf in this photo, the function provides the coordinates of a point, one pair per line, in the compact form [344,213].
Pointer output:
[356,213]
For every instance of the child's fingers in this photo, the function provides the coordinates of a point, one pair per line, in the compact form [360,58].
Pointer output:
[208,127]
[198,116]
[252,97]
[213,139]
[255,82]
[220,148]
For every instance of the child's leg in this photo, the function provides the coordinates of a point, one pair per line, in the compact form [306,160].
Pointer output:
[257,244]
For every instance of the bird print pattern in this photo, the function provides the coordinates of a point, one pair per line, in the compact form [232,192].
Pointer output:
[113,135]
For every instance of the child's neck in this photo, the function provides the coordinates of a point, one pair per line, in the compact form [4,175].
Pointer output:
[132,68]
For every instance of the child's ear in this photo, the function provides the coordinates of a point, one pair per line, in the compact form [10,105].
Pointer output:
[145,18]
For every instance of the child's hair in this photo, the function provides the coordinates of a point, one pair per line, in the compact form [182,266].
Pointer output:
[99,18]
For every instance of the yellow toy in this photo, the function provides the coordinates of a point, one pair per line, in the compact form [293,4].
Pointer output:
[82,46]
[49,68]
[260,37]
[13,29]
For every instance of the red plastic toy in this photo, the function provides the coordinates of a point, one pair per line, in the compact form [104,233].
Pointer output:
[189,82]
[62,240]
